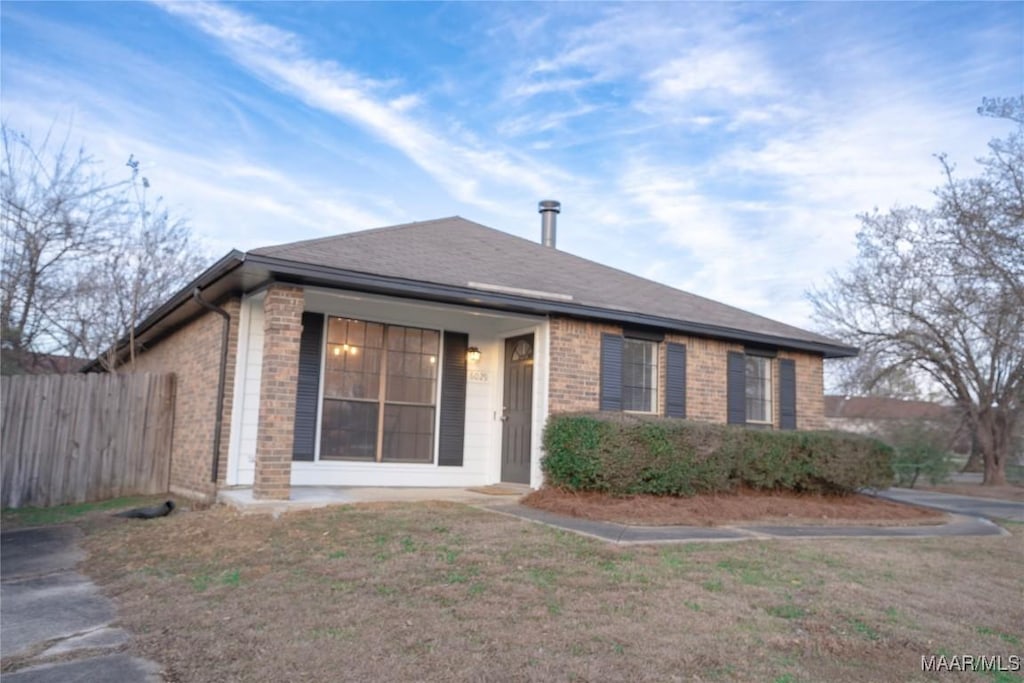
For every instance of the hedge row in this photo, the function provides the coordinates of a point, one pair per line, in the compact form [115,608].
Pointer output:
[627,455]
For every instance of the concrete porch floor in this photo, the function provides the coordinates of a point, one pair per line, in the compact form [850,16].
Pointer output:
[309,497]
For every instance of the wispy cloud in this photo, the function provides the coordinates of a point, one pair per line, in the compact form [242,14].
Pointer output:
[722,148]
[730,71]
[279,58]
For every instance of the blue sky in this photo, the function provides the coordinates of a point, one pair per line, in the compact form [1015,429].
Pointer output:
[721,148]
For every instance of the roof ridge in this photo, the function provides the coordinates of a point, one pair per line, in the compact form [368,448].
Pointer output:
[621,271]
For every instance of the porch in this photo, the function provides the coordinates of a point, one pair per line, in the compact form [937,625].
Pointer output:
[310,497]
[390,393]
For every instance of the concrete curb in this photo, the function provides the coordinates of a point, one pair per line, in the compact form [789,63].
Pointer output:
[959,525]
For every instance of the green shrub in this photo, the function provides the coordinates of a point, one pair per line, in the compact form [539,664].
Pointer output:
[572,453]
[628,454]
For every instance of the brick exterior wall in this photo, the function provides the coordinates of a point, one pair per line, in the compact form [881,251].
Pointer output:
[192,353]
[810,390]
[282,309]
[575,362]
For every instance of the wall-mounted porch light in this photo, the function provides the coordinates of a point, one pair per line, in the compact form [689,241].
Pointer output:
[473,354]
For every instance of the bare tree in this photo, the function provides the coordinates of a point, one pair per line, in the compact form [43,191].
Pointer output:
[940,291]
[867,374]
[84,259]
[56,215]
[151,256]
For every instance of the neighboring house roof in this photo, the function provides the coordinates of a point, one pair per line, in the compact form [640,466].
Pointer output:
[884,408]
[41,363]
[457,261]
[460,253]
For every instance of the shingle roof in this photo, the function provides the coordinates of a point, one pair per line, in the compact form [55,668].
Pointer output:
[885,408]
[460,253]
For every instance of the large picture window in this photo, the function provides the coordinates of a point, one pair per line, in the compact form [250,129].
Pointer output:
[380,388]
[639,376]
[759,389]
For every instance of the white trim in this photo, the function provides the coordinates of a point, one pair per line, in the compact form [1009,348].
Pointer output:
[435,455]
[519,290]
[540,401]
[231,477]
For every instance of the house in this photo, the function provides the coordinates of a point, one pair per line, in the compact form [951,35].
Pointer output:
[31,363]
[880,415]
[431,354]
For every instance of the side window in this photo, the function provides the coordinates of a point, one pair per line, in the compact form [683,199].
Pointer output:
[629,374]
[751,386]
[639,376]
[758,392]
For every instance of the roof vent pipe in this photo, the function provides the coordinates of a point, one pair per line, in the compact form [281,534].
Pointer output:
[549,210]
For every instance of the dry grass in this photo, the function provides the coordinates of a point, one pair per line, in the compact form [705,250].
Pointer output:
[777,507]
[441,592]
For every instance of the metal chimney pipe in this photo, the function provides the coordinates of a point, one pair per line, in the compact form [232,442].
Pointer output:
[549,210]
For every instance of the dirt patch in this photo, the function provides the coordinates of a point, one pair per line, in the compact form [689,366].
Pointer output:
[724,509]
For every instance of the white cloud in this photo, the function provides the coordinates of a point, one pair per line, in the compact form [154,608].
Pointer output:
[278,58]
[731,71]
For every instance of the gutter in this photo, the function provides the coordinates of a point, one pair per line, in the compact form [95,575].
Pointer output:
[222,374]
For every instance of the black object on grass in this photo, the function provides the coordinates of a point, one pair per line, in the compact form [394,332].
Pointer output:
[148,513]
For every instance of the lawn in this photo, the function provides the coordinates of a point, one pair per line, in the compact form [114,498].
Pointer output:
[439,592]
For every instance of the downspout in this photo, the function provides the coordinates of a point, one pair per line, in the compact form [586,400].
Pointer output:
[219,423]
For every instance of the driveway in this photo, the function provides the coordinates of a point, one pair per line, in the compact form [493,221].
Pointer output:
[989,508]
[55,625]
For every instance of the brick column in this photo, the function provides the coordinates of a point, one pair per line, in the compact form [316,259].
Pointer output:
[282,310]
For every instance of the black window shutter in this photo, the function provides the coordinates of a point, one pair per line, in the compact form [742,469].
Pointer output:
[451,441]
[787,394]
[611,372]
[307,393]
[736,389]
[675,380]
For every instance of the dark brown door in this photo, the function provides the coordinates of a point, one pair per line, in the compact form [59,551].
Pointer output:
[517,413]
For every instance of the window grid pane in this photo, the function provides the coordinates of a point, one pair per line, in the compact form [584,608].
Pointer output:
[758,394]
[355,355]
[408,433]
[349,430]
[639,376]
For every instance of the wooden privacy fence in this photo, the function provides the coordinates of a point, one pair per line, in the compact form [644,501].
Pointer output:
[79,438]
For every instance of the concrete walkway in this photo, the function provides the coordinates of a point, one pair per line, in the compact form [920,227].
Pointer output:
[54,619]
[966,520]
[958,525]
[310,497]
[989,508]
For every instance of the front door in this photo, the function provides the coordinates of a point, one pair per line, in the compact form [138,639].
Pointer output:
[517,411]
